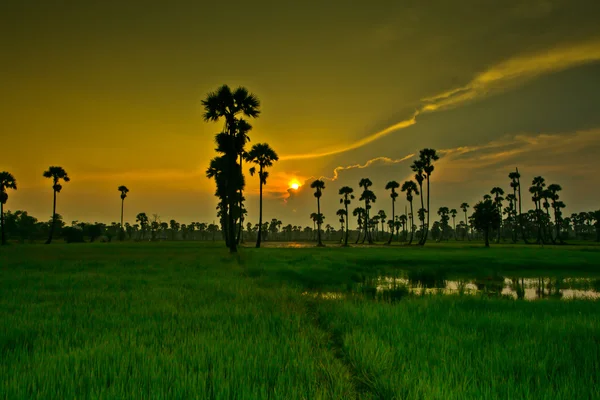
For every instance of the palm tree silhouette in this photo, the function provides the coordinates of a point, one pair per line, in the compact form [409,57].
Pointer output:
[486,217]
[56,174]
[143,220]
[319,186]
[368,197]
[124,191]
[516,185]
[410,187]
[417,167]
[7,181]
[498,193]
[342,214]
[346,192]
[464,207]
[392,186]
[557,205]
[226,104]
[538,185]
[453,213]
[427,157]
[264,156]
[359,213]
[382,216]
[402,219]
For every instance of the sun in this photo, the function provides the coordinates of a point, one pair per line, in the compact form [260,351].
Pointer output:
[294,185]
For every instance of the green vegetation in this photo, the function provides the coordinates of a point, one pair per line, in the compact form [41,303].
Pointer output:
[184,320]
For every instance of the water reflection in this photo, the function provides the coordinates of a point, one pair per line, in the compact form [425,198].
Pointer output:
[490,286]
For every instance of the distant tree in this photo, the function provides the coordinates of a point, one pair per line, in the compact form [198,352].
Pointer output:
[124,191]
[368,197]
[56,174]
[596,217]
[537,186]
[143,220]
[443,226]
[402,221]
[264,156]
[7,181]
[498,193]
[382,218]
[342,214]
[417,167]
[347,197]
[427,157]
[319,186]
[453,213]
[410,187]
[557,206]
[485,218]
[360,214]
[228,105]
[174,225]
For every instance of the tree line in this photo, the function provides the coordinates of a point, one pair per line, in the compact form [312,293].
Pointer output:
[496,217]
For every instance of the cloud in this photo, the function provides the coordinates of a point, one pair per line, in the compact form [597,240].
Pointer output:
[498,78]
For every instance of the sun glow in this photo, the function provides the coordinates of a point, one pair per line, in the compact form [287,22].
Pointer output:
[294,185]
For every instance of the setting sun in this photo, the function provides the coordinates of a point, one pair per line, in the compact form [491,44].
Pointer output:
[294,185]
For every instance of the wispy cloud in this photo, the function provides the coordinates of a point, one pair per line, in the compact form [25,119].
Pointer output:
[500,77]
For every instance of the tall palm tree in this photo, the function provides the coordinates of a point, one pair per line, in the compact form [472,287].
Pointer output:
[229,105]
[392,186]
[498,193]
[347,196]
[557,205]
[368,197]
[403,219]
[427,157]
[464,207]
[319,186]
[56,174]
[382,216]
[417,167]
[410,187]
[124,191]
[264,156]
[7,181]
[342,214]
[453,213]
[359,213]
[515,183]
[538,185]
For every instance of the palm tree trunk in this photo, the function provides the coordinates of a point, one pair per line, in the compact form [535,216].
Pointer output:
[347,217]
[319,243]
[427,226]
[522,226]
[393,214]
[422,207]
[53,219]
[412,223]
[258,236]
[467,226]
[122,233]
[3,241]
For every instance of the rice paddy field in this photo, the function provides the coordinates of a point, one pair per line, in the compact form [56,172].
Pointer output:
[183,320]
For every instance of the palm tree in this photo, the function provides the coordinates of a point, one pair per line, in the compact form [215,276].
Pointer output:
[403,219]
[359,213]
[443,213]
[427,157]
[464,207]
[516,185]
[417,167]
[56,174]
[392,186]
[498,193]
[368,197]
[538,185]
[342,214]
[7,181]
[382,216]
[346,192]
[319,186]
[264,156]
[410,187]
[226,104]
[557,205]
[453,213]
[124,191]
[143,219]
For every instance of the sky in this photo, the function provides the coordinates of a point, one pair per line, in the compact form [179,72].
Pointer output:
[112,90]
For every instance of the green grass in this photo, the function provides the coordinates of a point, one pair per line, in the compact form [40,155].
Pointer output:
[187,320]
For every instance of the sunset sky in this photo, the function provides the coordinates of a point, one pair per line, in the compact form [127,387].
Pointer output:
[111,91]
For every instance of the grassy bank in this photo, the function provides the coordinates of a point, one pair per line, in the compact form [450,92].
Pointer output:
[183,320]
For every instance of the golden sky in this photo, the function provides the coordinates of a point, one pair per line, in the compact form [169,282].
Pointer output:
[111,91]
